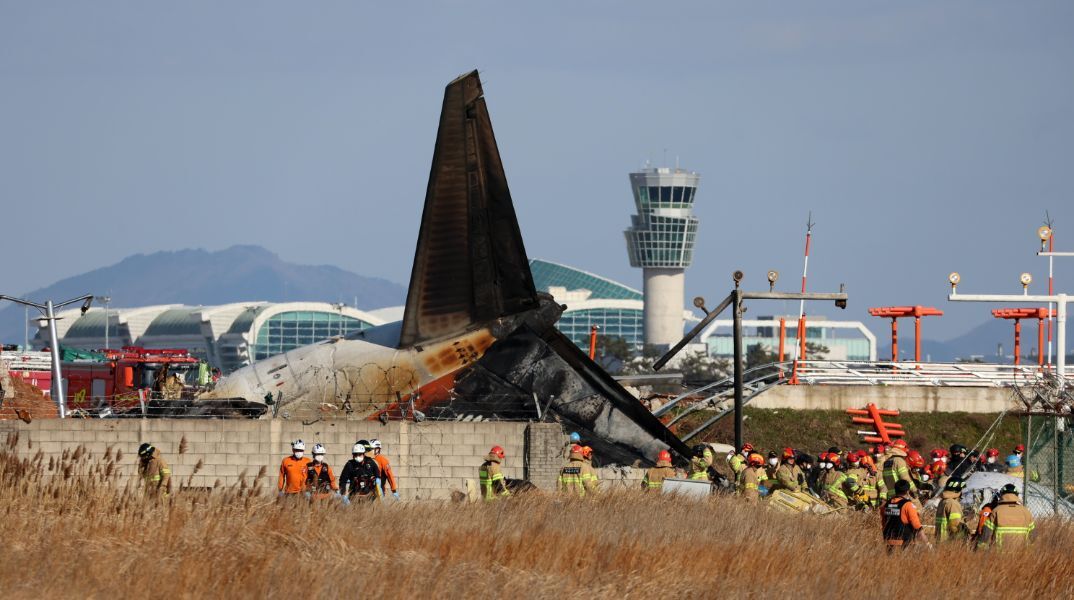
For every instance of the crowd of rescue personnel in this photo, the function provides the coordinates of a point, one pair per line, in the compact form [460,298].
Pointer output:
[893,480]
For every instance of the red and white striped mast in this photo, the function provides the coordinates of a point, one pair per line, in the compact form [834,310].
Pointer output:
[799,348]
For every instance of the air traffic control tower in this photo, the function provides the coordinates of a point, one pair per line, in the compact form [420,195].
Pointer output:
[660,240]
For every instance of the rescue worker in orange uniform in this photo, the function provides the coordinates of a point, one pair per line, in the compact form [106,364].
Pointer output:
[577,476]
[751,478]
[293,470]
[154,470]
[655,476]
[387,477]
[493,484]
[1010,525]
[320,481]
[899,521]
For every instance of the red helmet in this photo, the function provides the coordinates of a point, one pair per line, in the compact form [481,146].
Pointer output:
[937,468]
[936,454]
[879,449]
[747,447]
[852,457]
[993,452]
[862,453]
[587,452]
[788,453]
[664,456]
[1020,448]
[914,459]
[899,443]
[576,449]
[497,450]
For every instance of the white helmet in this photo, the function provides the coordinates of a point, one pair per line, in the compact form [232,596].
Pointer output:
[318,449]
[375,444]
[358,449]
[298,445]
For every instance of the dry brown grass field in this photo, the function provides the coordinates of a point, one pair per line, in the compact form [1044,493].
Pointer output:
[70,532]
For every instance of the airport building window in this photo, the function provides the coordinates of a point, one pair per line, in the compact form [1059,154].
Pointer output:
[290,330]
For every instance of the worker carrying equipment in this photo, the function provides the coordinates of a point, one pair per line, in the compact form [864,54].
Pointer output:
[493,484]
[387,476]
[154,470]
[899,520]
[655,476]
[361,477]
[751,478]
[577,476]
[949,525]
[1009,525]
[293,470]
[320,482]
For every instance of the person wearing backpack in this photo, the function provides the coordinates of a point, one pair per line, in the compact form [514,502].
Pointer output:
[360,479]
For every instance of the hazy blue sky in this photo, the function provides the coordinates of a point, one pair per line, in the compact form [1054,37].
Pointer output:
[924,136]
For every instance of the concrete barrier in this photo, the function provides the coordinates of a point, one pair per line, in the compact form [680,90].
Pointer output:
[908,398]
[430,459]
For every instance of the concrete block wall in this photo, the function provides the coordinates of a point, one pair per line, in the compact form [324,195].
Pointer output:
[430,459]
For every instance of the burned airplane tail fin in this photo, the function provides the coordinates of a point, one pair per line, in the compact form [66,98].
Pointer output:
[470,265]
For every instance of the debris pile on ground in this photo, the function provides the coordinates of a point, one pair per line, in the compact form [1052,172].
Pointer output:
[19,399]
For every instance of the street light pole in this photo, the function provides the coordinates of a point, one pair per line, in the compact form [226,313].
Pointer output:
[734,299]
[48,310]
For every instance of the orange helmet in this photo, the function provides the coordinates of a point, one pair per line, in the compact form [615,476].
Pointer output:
[788,453]
[587,452]
[899,443]
[664,456]
[833,458]
[497,450]
[755,460]
[914,459]
[867,462]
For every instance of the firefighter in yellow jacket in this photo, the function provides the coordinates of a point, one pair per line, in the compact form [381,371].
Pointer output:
[833,483]
[700,463]
[788,475]
[949,526]
[493,484]
[654,477]
[895,468]
[751,478]
[577,476]
[1009,525]
[154,470]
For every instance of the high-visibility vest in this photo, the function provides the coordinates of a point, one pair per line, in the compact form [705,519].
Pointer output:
[487,481]
[835,488]
[946,513]
[1002,527]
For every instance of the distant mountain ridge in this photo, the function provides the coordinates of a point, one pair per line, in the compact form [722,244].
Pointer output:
[200,277]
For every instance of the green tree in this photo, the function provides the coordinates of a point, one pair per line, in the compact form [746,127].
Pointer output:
[613,352]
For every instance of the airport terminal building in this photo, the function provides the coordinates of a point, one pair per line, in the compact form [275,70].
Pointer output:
[228,337]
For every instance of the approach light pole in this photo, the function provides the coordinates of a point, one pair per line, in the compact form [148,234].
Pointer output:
[1047,240]
[735,298]
[1060,300]
[48,311]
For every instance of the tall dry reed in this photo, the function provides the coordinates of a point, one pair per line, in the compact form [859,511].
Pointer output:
[70,531]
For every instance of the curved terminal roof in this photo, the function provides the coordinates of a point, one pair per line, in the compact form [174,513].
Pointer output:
[548,274]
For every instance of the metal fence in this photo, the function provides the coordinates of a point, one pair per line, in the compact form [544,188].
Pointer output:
[1049,462]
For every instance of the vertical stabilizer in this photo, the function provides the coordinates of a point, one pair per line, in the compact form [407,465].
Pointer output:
[470,265]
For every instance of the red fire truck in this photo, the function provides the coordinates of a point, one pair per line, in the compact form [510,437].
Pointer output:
[123,374]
